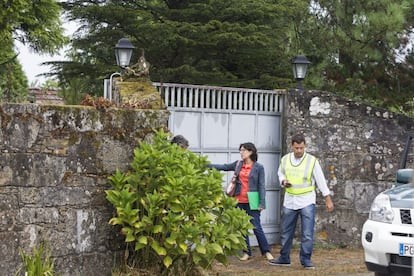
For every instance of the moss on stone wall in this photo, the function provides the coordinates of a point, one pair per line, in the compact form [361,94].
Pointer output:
[140,93]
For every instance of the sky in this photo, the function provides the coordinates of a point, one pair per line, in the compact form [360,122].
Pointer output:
[31,61]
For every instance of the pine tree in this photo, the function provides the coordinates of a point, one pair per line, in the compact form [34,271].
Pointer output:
[228,43]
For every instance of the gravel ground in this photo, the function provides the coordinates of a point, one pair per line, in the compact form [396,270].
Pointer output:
[327,261]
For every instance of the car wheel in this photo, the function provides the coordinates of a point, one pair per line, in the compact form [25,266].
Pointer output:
[381,274]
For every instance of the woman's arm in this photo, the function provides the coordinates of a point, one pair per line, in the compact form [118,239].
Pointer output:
[224,167]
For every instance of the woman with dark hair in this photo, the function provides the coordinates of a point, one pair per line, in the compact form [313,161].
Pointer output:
[251,178]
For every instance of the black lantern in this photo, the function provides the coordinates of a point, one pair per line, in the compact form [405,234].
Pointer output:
[300,66]
[123,52]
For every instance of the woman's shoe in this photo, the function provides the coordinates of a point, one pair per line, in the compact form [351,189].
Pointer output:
[268,256]
[245,257]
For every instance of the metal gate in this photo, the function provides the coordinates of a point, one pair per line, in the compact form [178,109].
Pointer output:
[216,120]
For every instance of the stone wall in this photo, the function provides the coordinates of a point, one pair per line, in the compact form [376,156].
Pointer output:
[55,160]
[359,147]
[54,164]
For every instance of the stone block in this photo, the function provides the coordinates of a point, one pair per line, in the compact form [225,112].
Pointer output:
[140,94]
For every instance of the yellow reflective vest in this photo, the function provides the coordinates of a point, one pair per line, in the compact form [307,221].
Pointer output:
[299,176]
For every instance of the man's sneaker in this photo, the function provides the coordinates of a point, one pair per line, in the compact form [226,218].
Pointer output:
[278,262]
[245,257]
[308,265]
[269,256]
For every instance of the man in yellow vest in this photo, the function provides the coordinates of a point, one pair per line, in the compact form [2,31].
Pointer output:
[298,172]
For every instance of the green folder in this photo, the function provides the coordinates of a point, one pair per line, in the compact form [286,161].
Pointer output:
[253,200]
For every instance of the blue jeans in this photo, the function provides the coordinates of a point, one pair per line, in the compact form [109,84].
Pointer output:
[257,230]
[289,220]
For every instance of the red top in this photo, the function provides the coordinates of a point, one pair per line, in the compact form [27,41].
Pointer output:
[244,179]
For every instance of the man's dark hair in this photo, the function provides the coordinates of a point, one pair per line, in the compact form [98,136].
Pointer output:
[180,140]
[250,147]
[298,138]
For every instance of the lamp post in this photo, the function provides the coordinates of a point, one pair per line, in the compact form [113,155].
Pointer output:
[123,54]
[300,66]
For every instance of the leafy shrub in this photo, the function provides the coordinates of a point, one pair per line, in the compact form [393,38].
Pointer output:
[36,264]
[173,211]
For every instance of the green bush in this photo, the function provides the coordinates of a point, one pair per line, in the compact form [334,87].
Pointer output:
[173,211]
[36,264]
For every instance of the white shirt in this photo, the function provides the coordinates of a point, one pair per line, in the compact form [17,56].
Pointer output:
[299,202]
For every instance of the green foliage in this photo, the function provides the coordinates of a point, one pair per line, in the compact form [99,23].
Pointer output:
[74,91]
[173,212]
[35,24]
[356,48]
[239,43]
[37,264]
[13,82]
[49,84]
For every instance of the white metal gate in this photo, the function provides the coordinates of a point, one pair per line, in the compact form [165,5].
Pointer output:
[216,120]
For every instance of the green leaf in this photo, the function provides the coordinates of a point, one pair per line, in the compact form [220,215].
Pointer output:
[158,249]
[139,246]
[115,221]
[157,229]
[129,237]
[143,239]
[139,225]
[233,238]
[183,246]
[177,208]
[112,196]
[170,241]
[167,261]
[201,249]
[215,248]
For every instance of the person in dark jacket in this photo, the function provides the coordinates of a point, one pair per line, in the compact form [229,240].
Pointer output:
[251,178]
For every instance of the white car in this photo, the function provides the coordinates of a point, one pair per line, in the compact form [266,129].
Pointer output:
[388,234]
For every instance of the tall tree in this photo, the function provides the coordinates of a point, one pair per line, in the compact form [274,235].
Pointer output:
[35,24]
[233,43]
[354,44]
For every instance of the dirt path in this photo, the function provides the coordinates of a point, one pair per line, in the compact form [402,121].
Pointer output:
[336,261]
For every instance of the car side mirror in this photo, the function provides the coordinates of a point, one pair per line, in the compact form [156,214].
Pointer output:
[404,176]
